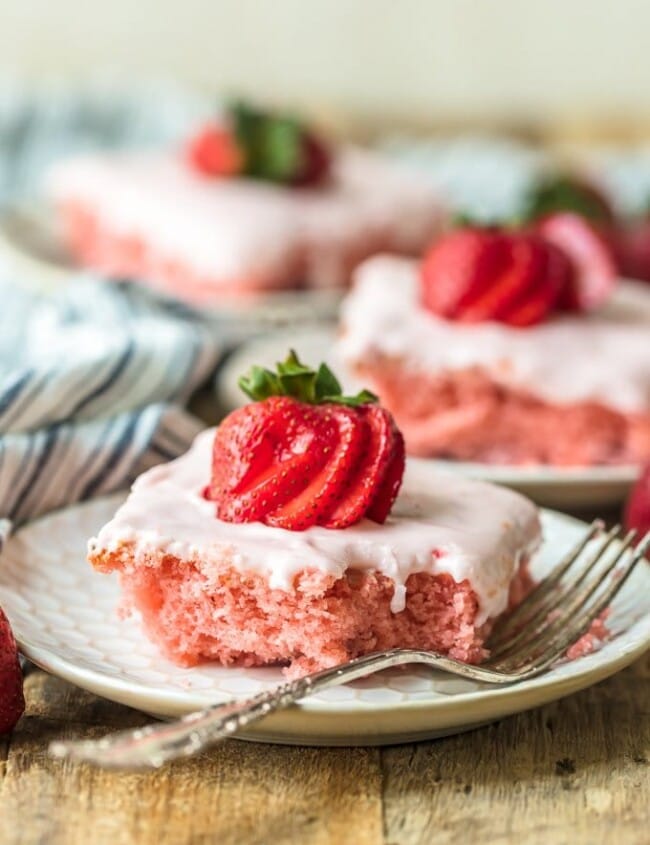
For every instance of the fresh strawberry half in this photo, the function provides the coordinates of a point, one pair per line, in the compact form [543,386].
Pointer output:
[260,144]
[214,151]
[314,162]
[637,509]
[338,465]
[473,275]
[303,454]
[12,701]
[632,245]
[592,256]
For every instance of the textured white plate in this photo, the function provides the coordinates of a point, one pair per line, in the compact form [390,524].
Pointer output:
[64,616]
[564,488]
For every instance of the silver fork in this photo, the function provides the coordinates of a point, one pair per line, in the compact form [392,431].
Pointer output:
[523,644]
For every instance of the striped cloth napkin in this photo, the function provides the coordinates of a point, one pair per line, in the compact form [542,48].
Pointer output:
[92,383]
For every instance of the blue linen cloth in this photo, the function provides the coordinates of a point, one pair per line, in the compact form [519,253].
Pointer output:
[92,383]
[41,123]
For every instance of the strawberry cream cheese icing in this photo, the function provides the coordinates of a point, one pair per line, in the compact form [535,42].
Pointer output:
[571,390]
[450,558]
[602,356]
[467,529]
[151,216]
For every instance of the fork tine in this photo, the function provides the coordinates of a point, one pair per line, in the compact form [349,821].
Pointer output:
[516,627]
[533,636]
[582,622]
[546,586]
[556,573]
[571,603]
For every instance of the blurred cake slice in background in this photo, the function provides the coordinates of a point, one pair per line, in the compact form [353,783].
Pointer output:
[255,203]
[571,388]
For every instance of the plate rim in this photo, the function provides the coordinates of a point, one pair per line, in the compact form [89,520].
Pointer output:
[579,678]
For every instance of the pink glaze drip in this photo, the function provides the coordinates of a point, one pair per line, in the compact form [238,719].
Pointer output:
[440,524]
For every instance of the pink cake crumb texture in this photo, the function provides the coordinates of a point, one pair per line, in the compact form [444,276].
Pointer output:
[597,634]
[466,415]
[195,612]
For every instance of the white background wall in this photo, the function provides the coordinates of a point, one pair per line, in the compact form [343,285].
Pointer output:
[517,59]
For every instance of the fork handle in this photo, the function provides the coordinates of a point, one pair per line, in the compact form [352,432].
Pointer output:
[156,744]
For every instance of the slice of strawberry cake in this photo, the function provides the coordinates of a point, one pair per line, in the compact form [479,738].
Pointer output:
[504,347]
[255,203]
[280,538]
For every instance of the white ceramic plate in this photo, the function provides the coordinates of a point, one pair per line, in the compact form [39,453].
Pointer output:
[64,616]
[563,488]
[31,246]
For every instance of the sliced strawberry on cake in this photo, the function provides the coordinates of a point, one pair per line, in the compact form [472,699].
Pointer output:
[502,346]
[293,535]
[591,255]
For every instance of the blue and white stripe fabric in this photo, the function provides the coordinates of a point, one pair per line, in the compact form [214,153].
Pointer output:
[92,383]
[40,123]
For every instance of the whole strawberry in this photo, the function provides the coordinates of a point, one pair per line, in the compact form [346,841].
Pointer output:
[303,454]
[12,701]
[637,509]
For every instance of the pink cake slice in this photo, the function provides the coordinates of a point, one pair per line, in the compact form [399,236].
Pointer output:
[151,217]
[449,560]
[574,390]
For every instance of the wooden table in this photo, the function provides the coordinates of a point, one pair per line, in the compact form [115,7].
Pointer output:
[576,771]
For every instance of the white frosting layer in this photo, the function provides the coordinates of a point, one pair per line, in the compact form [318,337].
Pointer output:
[478,532]
[604,356]
[229,228]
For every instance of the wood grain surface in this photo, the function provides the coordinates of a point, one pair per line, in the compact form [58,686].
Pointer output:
[576,771]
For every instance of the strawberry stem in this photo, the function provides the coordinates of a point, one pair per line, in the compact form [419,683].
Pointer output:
[276,146]
[301,382]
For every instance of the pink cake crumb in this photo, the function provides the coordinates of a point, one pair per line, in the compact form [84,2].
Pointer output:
[466,415]
[597,634]
[198,612]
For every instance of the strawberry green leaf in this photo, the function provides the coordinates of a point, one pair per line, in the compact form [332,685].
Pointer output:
[564,192]
[272,143]
[260,383]
[275,145]
[327,383]
[295,379]
[364,397]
